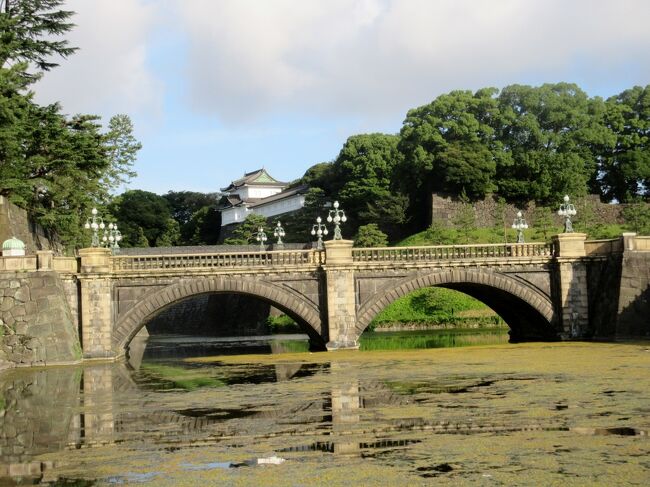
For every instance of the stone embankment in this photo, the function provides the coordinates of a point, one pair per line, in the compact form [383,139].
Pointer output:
[36,323]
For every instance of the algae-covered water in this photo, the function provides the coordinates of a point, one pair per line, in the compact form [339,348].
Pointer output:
[524,414]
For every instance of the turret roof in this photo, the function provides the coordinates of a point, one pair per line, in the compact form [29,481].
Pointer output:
[255,178]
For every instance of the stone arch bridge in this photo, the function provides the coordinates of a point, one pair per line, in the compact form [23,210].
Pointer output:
[541,290]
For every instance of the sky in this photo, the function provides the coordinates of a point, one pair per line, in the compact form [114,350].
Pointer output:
[216,88]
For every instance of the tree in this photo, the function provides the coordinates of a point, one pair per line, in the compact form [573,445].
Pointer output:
[625,169]
[170,235]
[465,220]
[637,217]
[370,236]
[363,175]
[551,136]
[440,142]
[184,204]
[54,166]
[122,151]
[28,31]
[148,211]
[245,232]
[298,225]
[204,227]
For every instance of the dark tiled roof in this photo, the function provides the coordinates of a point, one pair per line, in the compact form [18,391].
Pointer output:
[259,177]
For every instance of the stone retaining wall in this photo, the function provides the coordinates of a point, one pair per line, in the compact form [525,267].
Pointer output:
[634,295]
[14,222]
[36,324]
[488,213]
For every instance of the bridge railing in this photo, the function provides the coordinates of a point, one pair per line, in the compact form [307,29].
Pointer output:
[274,258]
[451,252]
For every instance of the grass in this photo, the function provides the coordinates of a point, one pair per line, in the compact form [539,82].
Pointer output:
[438,306]
[282,324]
[182,378]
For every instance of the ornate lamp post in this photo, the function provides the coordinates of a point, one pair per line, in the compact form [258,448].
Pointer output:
[278,232]
[94,223]
[337,216]
[567,210]
[112,237]
[319,229]
[520,225]
[260,236]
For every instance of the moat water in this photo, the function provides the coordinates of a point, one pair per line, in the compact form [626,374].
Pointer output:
[188,413]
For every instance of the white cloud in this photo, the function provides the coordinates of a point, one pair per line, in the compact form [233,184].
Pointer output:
[109,73]
[372,57]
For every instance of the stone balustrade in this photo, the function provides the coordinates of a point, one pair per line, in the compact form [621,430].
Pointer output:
[451,252]
[219,260]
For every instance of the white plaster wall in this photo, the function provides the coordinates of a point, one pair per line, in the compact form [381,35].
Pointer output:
[261,192]
[280,207]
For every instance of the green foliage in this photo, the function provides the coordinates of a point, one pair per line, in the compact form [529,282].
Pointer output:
[122,150]
[203,227]
[298,225]
[282,324]
[370,236]
[637,218]
[28,30]
[54,166]
[245,233]
[465,221]
[449,146]
[170,235]
[184,204]
[430,305]
[544,225]
[143,213]
[625,171]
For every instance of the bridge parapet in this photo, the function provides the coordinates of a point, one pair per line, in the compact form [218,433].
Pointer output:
[276,258]
[451,252]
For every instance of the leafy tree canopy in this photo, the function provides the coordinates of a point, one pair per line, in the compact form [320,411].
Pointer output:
[29,31]
[149,212]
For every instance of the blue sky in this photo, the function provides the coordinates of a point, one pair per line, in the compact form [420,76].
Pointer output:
[216,88]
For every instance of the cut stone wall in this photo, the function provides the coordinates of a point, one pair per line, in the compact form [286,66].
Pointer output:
[603,280]
[36,325]
[488,213]
[213,315]
[14,222]
[634,295]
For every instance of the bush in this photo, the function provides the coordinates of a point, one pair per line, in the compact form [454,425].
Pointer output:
[370,236]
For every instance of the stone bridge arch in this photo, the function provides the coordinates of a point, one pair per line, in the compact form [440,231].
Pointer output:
[128,325]
[528,311]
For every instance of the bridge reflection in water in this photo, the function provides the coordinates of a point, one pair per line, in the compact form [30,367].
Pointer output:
[342,408]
